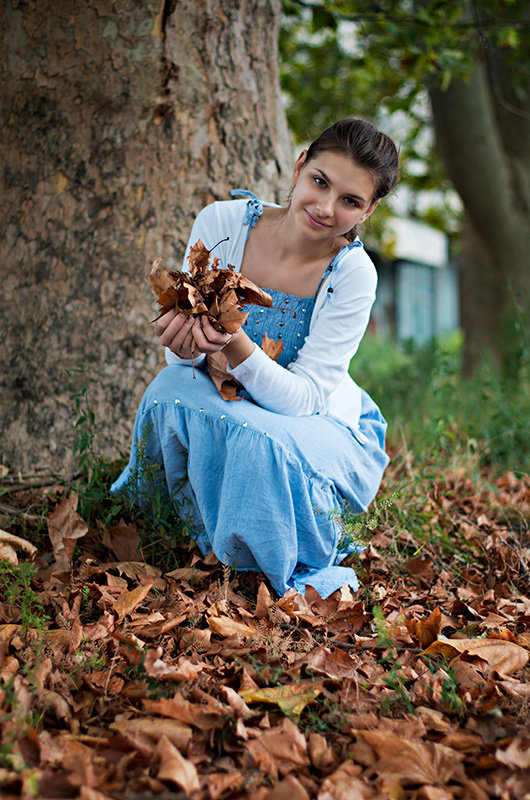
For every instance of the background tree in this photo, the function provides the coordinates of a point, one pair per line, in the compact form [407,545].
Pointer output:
[356,56]
[119,121]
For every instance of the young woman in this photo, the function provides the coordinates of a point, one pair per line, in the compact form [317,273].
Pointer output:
[262,482]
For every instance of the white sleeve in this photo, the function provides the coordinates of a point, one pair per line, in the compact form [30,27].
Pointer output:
[337,327]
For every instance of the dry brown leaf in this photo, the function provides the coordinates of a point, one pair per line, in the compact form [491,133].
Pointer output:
[220,293]
[516,755]
[280,750]
[53,703]
[425,630]
[11,544]
[128,601]
[224,382]
[414,762]
[344,784]
[288,789]
[236,702]
[221,782]
[501,655]
[205,717]
[264,601]
[123,540]
[226,626]
[320,752]
[174,767]
[65,526]
[272,347]
[159,277]
[152,729]
[334,664]
[137,570]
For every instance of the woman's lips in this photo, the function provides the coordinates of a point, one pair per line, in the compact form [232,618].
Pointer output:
[316,223]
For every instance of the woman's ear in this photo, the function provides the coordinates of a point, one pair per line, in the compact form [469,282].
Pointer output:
[370,211]
[298,164]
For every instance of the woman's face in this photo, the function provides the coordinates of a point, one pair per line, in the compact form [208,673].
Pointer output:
[331,194]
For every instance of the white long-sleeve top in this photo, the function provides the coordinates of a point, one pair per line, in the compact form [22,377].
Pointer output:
[318,381]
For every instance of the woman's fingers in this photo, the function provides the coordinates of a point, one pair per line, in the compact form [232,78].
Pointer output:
[209,340]
[186,335]
[176,335]
[163,321]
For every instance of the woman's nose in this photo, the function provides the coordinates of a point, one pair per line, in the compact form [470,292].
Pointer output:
[325,208]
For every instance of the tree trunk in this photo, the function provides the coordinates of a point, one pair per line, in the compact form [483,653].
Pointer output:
[121,120]
[483,138]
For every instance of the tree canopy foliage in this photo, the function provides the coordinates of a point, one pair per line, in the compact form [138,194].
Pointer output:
[449,78]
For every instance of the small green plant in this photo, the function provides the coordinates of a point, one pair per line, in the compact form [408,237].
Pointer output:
[358,529]
[450,692]
[394,679]
[20,722]
[16,589]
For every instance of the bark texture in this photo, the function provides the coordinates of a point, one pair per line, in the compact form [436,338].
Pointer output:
[483,132]
[120,121]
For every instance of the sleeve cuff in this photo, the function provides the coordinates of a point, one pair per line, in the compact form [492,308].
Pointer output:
[250,366]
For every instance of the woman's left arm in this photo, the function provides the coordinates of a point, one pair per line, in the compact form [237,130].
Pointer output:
[337,328]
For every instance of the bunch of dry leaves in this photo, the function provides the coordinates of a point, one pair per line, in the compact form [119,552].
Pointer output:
[200,683]
[219,293]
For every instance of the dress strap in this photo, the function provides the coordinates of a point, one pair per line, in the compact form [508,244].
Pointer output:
[331,266]
[254,206]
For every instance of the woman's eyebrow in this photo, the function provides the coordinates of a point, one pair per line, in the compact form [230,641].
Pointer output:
[350,194]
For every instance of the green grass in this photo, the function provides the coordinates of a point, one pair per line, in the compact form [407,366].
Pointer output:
[435,412]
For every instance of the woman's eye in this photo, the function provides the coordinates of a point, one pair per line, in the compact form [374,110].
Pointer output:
[351,202]
[319,181]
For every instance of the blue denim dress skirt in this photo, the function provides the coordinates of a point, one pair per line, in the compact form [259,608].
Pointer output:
[264,491]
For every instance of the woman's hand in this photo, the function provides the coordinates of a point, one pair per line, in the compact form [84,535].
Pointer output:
[174,332]
[207,339]
[188,336]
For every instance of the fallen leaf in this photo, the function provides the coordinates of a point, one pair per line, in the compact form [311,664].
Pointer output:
[136,570]
[291,699]
[288,789]
[280,750]
[11,544]
[65,526]
[152,729]
[226,626]
[53,703]
[414,762]
[123,540]
[128,601]
[425,630]
[344,784]
[320,752]
[220,782]
[501,655]
[516,755]
[176,768]
[264,601]
[204,717]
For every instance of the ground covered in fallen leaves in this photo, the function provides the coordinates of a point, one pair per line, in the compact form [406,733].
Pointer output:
[119,680]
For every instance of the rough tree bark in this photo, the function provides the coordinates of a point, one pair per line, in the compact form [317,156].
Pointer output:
[482,132]
[120,121]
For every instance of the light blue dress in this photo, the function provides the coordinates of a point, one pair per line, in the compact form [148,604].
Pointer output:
[263,490]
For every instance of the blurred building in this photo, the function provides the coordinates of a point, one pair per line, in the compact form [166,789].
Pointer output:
[418,294]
